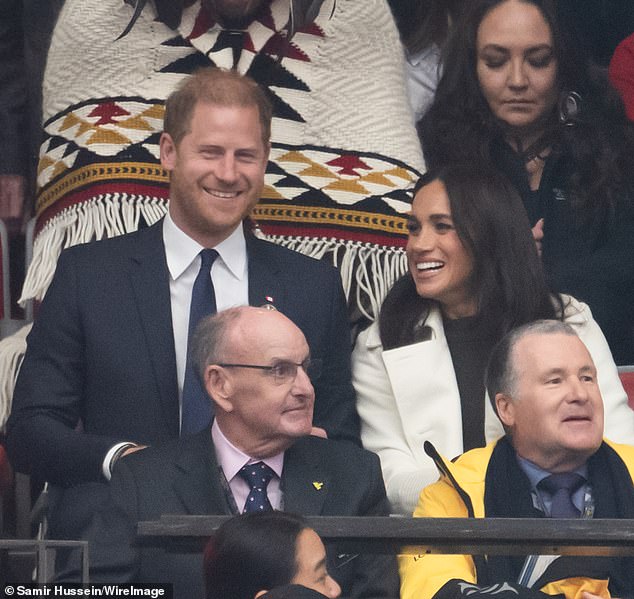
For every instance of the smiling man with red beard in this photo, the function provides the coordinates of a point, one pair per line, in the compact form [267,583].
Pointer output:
[110,345]
[553,462]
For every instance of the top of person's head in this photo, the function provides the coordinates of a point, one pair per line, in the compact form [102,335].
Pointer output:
[219,87]
[491,222]
[253,363]
[252,552]
[501,373]
[231,14]
[543,384]
[218,337]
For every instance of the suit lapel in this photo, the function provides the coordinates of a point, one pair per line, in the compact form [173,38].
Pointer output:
[305,483]
[439,388]
[197,483]
[265,275]
[150,281]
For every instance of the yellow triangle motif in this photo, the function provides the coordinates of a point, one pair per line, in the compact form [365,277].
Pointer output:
[59,168]
[45,162]
[270,193]
[294,156]
[316,170]
[318,485]
[136,122]
[379,179]
[399,172]
[350,186]
[105,136]
[70,121]
[154,112]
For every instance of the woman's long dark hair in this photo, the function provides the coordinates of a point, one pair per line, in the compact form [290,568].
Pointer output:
[508,279]
[597,149]
[250,553]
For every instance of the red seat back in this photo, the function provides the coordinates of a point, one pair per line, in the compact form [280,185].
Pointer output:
[626,373]
[6,474]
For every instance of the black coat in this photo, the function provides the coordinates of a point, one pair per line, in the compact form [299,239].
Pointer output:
[182,478]
[101,353]
[592,261]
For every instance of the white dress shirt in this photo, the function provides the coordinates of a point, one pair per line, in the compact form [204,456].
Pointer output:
[423,73]
[229,275]
[231,459]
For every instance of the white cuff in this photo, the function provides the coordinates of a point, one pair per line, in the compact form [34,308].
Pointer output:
[106,466]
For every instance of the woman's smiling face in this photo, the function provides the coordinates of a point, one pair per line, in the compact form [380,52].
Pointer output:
[439,263]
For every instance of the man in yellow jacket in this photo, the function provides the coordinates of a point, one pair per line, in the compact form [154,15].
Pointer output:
[552,462]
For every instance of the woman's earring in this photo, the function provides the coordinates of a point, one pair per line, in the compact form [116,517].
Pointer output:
[569,108]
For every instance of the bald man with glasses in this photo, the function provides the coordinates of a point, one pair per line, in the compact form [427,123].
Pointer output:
[258,455]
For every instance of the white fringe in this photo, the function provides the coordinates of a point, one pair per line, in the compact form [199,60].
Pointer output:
[106,215]
[11,353]
[374,268]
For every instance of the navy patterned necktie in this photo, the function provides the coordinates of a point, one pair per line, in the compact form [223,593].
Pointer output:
[562,487]
[257,476]
[196,404]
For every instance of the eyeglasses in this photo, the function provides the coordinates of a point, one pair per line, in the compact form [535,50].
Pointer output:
[284,371]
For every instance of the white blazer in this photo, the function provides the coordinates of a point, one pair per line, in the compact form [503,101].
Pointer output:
[409,395]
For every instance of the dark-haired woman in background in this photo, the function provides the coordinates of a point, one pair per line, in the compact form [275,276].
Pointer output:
[474,275]
[256,552]
[514,94]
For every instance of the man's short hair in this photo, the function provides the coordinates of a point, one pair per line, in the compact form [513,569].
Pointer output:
[209,343]
[222,87]
[501,372]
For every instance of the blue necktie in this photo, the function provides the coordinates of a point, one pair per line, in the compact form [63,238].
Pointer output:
[196,405]
[257,476]
[561,488]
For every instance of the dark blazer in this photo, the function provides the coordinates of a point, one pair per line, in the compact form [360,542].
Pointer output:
[183,478]
[101,352]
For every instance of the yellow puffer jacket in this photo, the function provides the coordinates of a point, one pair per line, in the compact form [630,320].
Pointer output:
[422,576]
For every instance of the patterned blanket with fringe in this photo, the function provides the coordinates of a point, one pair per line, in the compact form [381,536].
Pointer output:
[344,148]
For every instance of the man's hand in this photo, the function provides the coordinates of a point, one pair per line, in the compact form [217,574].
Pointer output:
[12,197]
[132,450]
[319,432]
[586,595]
[538,234]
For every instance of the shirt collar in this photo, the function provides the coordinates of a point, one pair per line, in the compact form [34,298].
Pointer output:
[536,474]
[181,250]
[231,459]
[415,58]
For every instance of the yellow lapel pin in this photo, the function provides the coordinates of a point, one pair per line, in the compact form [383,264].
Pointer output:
[318,485]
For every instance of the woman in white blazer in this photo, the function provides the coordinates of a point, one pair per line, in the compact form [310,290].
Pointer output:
[475,273]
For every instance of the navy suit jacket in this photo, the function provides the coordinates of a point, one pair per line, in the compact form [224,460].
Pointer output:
[101,358]
[183,478]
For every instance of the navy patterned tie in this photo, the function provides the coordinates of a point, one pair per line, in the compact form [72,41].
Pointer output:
[562,487]
[196,404]
[257,476]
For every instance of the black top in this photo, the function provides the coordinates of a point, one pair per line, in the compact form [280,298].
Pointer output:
[592,261]
[470,345]
[596,27]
